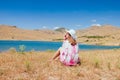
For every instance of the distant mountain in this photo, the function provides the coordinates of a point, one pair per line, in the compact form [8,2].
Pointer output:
[61,29]
[14,33]
[100,30]
[99,35]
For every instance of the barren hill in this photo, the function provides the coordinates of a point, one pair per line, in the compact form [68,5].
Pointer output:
[14,33]
[99,35]
[101,30]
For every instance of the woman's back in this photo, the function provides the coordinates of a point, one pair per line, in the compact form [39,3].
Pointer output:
[69,53]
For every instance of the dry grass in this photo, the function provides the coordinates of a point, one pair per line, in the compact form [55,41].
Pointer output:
[96,65]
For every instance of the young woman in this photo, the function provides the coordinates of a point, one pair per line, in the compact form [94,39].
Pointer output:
[68,53]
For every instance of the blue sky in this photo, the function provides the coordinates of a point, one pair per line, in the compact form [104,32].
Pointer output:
[75,14]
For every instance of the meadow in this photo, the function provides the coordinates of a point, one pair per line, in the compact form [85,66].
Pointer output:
[33,65]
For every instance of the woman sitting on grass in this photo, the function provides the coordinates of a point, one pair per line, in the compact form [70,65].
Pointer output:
[68,53]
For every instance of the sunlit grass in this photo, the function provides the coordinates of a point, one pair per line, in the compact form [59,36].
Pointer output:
[95,65]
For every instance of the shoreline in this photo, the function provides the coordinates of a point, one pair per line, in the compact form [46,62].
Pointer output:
[92,36]
[59,41]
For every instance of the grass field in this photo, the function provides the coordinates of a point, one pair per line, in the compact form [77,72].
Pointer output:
[95,65]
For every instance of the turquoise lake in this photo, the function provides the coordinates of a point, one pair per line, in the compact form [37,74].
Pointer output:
[45,45]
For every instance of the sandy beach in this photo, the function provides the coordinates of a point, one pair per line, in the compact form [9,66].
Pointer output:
[95,65]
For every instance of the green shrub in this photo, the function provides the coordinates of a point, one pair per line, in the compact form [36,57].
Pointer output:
[109,65]
[94,37]
[1,72]
[86,40]
[50,50]
[96,63]
[22,49]
[57,39]
[28,65]
[118,65]
[12,50]
[32,51]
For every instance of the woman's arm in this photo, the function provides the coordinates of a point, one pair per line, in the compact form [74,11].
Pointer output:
[56,54]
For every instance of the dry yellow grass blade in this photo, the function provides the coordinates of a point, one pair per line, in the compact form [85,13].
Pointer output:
[95,65]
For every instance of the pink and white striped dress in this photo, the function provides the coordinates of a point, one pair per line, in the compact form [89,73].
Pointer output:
[69,54]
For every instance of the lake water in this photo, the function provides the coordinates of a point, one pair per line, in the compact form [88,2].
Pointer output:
[44,45]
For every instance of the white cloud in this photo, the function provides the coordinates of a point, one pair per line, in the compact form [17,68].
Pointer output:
[44,27]
[56,28]
[94,20]
[96,25]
